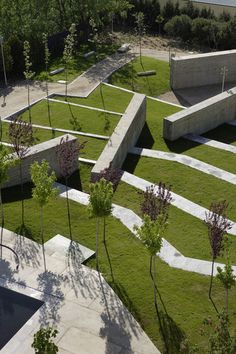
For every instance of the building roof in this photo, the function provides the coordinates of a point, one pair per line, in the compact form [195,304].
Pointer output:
[226,3]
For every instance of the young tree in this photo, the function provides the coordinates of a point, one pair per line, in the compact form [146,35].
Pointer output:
[43,191]
[43,341]
[46,61]
[5,163]
[67,154]
[218,226]
[140,30]
[100,205]
[159,20]
[68,52]
[21,137]
[110,174]
[28,73]
[227,278]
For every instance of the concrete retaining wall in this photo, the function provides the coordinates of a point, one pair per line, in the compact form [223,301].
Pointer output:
[202,69]
[201,117]
[47,151]
[124,136]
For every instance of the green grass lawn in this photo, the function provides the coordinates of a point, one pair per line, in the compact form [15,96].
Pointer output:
[104,97]
[185,294]
[151,138]
[149,85]
[90,121]
[78,65]
[185,181]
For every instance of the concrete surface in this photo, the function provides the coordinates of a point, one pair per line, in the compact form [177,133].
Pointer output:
[209,142]
[202,69]
[46,150]
[124,136]
[201,117]
[78,302]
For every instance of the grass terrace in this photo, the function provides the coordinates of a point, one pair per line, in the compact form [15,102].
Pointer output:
[184,294]
[127,77]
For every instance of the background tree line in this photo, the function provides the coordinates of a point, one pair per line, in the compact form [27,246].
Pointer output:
[22,20]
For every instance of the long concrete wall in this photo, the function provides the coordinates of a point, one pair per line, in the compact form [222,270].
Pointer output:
[202,69]
[201,117]
[124,136]
[45,150]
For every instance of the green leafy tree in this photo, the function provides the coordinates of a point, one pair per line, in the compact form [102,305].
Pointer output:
[68,52]
[140,29]
[5,163]
[44,341]
[43,191]
[159,20]
[46,61]
[227,278]
[100,205]
[28,73]
[179,26]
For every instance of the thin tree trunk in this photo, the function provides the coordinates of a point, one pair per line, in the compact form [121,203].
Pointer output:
[227,300]
[66,82]
[22,197]
[2,217]
[68,210]
[104,229]
[48,104]
[210,286]
[97,240]
[42,238]
[30,118]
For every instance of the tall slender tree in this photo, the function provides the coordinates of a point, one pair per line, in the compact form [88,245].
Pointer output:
[43,192]
[140,29]
[100,205]
[21,137]
[28,73]
[46,61]
[68,52]
[68,154]
[218,226]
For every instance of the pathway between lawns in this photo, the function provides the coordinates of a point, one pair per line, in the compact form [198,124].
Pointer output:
[187,161]
[177,200]
[168,253]
[213,143]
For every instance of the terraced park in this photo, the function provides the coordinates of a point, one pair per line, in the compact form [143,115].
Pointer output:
[124,261]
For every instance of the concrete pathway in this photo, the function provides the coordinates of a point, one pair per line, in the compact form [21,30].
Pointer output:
[14,97]
[213,143]
[76,300]
[187,161]
[168,253]
[179,202]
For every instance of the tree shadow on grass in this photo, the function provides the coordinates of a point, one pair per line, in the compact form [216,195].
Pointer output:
[174,335]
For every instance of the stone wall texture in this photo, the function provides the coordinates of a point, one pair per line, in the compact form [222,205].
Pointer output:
[124,136]
[45,150]
[202,69]
[201,117]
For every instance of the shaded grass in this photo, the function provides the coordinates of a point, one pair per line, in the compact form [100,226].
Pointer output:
[225,133]
[150,85]
[78,65]
[184,294]
[151,138]
[114,99]
[90,121]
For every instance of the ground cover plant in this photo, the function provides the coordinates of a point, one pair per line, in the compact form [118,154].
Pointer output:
[184,294]
[128,78]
